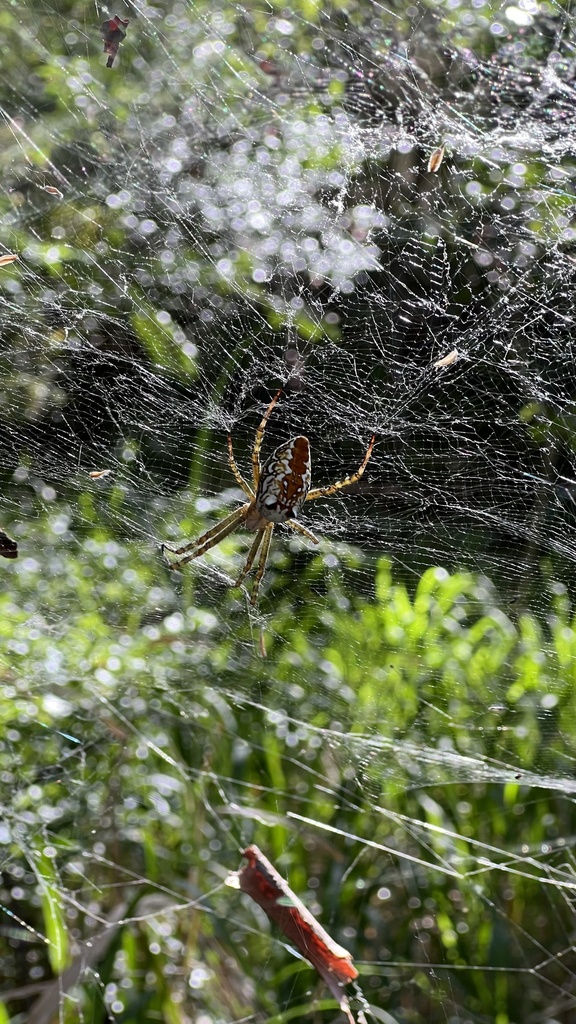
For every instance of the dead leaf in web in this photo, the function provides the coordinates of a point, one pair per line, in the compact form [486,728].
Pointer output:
[98,474]
[9,258]
[269,67]
[8,547]
[113,33]
[52,191]
[260,880]
[447,360]
[436,159]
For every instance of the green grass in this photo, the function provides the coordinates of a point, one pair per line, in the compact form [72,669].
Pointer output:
[400,758]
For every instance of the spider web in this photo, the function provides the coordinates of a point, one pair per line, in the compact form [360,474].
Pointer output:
[244,202]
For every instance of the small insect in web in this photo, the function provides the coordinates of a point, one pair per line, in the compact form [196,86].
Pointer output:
[277,492]
[452,357]
[436,158]
[52,191]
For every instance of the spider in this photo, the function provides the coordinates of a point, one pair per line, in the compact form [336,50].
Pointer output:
[276,495]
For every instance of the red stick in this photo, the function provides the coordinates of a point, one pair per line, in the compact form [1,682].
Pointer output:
[270,891]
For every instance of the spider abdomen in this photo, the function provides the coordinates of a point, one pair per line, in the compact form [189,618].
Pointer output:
[284,482]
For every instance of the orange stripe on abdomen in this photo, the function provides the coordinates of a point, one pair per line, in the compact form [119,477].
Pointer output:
[297,481]
[285,481]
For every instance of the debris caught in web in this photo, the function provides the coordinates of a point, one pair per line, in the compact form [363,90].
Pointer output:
[113,34]
[8,547]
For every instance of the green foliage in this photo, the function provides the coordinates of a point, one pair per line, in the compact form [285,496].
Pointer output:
[404,752]
[145,742]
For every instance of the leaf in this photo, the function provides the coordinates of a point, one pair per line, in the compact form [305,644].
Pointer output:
[53,914]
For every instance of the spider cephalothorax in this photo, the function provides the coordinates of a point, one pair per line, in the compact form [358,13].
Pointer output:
[278,491]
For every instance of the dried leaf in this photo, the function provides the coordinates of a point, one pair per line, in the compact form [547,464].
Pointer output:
[9,258]
[8,547]
[97,474]
[436,159]
[113,34]
[52,191]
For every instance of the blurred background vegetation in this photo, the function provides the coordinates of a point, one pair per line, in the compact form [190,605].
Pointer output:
[244,199]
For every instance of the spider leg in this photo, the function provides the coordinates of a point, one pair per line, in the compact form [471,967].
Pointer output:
[207,540]
[322,492]
[251,556]
[298,528]
[261,564]
[234,467]
[259,438]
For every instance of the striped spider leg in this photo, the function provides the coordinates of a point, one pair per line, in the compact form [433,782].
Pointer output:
[325,492]
[277,492]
